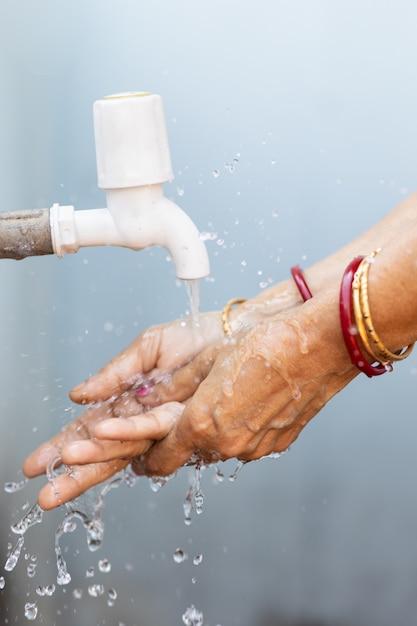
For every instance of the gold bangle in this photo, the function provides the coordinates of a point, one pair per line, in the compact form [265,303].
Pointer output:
[370,338]
[360,324]
[227,329]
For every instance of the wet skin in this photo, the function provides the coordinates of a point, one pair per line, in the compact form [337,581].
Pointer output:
[247,398]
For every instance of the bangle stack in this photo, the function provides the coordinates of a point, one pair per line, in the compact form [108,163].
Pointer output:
[356,321]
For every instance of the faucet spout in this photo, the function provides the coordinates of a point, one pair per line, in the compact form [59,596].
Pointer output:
[136,218]
[170,227]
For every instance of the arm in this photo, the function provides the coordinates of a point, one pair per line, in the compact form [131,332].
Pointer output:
[256,397]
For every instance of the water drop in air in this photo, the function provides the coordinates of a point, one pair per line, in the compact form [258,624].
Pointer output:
[104,566]
[179,556]
[192,617]
[31,611]
[96,590]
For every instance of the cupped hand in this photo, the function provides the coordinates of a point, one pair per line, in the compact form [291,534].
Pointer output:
[252,399]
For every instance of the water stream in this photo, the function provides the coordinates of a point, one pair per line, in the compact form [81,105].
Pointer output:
[88,511]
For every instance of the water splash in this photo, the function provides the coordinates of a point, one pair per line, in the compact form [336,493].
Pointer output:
[233,476]
[13,487]
[32,517]
[192,617]
[31,611]
[96,590]
[194,499]
[14,555]
[47,590]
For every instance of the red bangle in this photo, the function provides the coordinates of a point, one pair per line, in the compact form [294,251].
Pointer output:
[347,322]
[300,282]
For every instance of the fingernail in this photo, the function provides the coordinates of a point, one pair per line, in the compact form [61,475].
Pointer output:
[144,390]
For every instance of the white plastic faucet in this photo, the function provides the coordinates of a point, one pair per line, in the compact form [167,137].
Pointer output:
[133,162]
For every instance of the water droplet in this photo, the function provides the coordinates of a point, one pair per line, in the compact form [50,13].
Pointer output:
[180,191]
[216,173]
[194,580]
[31,611]
[12,487]
[156,483]
[95,590]
[192,617]
[50,590]
[111,597]
[2,582]
[89,572]
[236,471]
[219,476]
[78,594]
[31,570]
[207,236]
[108,327]
[198,559]
[179,556]
[104,566]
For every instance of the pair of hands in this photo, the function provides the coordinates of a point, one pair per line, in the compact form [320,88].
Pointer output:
[244,398]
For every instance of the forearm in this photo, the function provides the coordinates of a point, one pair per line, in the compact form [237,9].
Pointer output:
[328,271]
[392,292]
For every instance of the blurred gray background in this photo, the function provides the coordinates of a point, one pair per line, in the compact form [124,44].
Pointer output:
[317,100]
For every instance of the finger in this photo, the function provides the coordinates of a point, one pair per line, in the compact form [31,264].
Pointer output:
[167,456]
[37,462]
[96,451]
[154,424]
[125,369]
[66,487]
[182,384]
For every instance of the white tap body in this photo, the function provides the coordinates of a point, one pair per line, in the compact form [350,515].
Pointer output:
[133,162]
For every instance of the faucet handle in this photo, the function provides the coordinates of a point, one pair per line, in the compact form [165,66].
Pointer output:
[132,147]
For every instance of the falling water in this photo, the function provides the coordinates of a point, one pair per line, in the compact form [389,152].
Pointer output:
[194,299]
[32,517]
[14,555]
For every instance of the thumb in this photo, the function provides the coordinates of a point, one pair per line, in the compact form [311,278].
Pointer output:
[123,371]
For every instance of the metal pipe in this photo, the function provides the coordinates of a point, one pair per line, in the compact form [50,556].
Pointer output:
[25,233]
